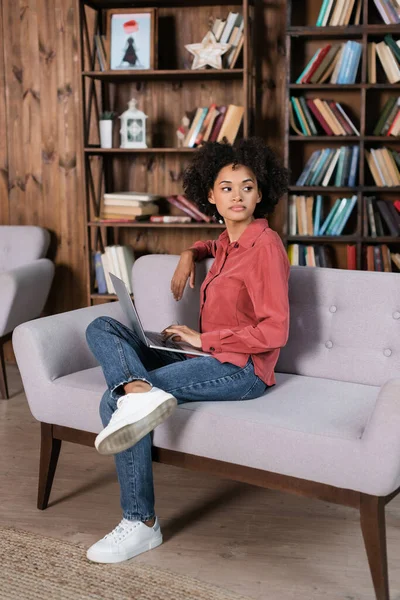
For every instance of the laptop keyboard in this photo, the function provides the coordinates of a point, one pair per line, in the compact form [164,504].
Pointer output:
[159,340]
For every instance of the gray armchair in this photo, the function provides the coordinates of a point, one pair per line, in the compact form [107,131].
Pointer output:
[25,280]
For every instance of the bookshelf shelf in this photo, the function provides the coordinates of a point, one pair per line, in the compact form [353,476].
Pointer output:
[320,189]
[362,101]
[165,95]
[146,225]
[98,150]
[115,76]
[340,31]
[323,238]
[324,138]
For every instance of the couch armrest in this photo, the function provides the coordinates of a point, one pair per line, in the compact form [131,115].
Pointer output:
[54,346]
[23,293]
[381,435]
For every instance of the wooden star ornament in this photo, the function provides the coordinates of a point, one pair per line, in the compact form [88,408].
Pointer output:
[209,52]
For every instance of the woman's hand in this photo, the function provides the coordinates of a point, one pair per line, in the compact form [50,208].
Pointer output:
[182,333]
[184,271]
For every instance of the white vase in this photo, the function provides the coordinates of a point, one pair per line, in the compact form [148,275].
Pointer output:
[106,133]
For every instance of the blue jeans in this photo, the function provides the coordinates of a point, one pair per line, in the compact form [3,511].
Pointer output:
[124,358]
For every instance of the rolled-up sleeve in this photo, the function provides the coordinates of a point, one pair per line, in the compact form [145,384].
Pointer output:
[267,286]
[204,249]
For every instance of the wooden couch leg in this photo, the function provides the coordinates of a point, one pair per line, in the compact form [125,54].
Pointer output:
[372,514]
[49,453]
[3,374]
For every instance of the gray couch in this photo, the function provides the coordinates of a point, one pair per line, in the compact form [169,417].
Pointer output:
[25,280]
[329,429]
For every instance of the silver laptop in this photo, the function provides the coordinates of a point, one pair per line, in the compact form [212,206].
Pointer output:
[150,338]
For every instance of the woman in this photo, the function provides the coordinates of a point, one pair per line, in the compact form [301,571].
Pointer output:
[244,321]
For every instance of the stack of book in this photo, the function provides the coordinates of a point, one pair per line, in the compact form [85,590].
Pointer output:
[389,10]
[117,260]
[189,208]
[230,31]
[214,124]
[319,255]
[339,12]
[330,117]
[389,119]
[307,215]
[127,206]
[380,258]
[329,166]
[381,217]
[388,52]
[339,62]
[384,165]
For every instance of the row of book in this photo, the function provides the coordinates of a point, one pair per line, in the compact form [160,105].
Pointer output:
[330,166]
[388,52]
[389,119]
[337,62]
[212,124]
[115,259]
[379,258]
[375,258]
[307,215]
[381,217]
[307,255]
[348,12]
[230,31]
[384,165]
[389,10]
[339,12]
[329,117]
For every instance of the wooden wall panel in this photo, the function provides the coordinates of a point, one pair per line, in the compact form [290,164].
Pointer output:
[4,206]
[40,124]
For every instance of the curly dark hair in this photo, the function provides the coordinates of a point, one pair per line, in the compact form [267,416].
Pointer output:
[272,177]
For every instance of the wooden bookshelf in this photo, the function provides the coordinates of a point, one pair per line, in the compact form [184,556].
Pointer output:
[164,94]
[364,101]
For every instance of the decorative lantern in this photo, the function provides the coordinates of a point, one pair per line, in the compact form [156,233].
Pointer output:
[133,127]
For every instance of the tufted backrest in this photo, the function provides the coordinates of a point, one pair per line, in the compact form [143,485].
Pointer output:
[21,244]
[344,325]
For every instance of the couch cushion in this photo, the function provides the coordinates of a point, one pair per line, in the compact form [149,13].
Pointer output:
[305,427]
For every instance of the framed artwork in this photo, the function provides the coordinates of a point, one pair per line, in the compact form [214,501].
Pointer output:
[131,37]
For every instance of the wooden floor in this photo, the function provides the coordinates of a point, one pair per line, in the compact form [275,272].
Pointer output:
[256,542]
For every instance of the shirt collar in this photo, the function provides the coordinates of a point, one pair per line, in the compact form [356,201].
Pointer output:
[249,235]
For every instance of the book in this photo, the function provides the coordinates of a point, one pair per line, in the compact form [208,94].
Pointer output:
[317,214]
[331,168]
[131,196]
[190,140]
[218,123]
[213,115]
[371,62]
[169,219]
[125,258]
[306,171]
[389,104]
[100,52]
[307,116]
[231,21]
[329,217]
[316,63]
[205,124]
[106,268]
[300,117]
[351,202]
[174,200]
[388,218]
[186,202]
[317,114]
[351,251]
[100,275]
[131,211]
[231,123]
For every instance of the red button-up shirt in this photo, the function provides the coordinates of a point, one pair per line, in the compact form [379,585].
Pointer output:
[244,307]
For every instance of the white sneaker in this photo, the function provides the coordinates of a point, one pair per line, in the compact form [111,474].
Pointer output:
[135,417]
[127,540]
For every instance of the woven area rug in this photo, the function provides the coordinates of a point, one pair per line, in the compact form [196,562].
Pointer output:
[33,567]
